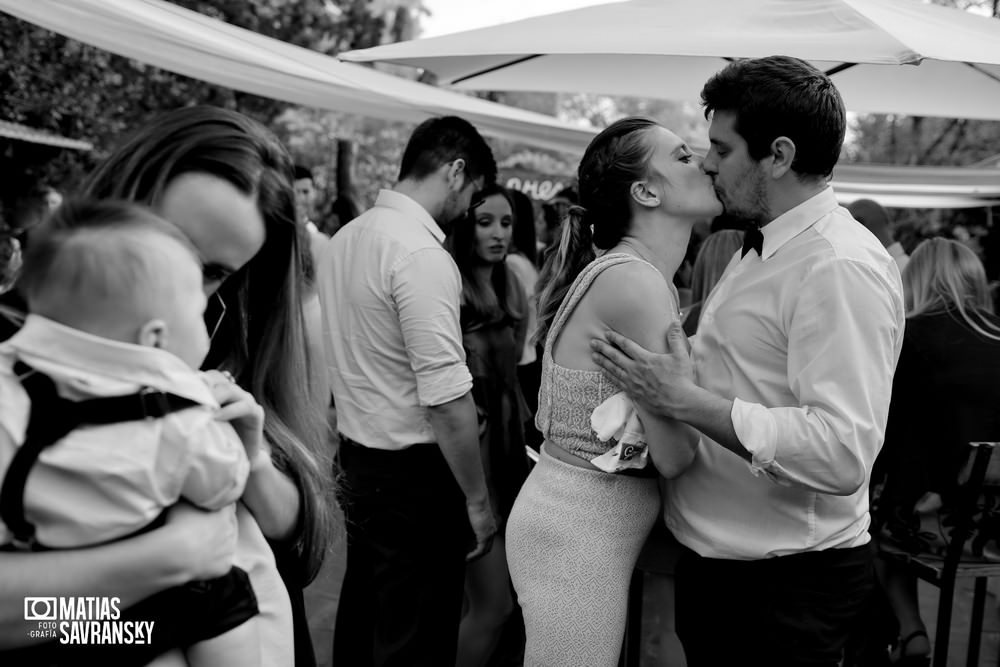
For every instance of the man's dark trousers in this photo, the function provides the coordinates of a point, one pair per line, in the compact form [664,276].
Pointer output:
[790,610]
[407,537]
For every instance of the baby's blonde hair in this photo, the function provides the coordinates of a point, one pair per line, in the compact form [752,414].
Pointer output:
[98,259]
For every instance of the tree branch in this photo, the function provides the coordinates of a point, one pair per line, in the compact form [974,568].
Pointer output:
[937,142]
[963,125]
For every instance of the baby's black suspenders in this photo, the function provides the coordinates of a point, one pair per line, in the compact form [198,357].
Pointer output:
[52,418]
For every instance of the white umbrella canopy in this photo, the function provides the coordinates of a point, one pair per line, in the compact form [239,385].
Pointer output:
[182,41]
[918,187]
[669,48]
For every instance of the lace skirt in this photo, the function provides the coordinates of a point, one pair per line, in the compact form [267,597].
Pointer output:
[573,538]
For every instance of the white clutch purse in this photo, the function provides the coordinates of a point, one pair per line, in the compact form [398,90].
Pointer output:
[617,418]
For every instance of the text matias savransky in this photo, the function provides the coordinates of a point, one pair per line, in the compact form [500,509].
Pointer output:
[84,621]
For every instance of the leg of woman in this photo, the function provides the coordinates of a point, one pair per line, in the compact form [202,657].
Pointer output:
[901,591]
[490,603]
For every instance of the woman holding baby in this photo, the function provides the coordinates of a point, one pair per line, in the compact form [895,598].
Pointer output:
[225,182]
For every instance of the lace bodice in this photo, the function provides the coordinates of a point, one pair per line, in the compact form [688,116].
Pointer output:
[568,396]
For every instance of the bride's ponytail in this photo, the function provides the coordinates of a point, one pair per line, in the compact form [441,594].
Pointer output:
[563,264]
[616,158]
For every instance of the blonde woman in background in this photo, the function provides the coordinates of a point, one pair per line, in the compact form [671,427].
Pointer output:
[945,393]
[713,257]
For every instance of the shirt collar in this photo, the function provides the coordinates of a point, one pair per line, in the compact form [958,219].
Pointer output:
[45,342]
[397,201]
[793,222]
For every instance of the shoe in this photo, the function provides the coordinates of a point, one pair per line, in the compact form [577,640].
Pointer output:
[901,658]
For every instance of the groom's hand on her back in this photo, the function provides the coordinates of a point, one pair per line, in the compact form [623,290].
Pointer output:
[656,381]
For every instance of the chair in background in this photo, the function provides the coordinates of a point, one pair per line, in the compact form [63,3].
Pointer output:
[973,522]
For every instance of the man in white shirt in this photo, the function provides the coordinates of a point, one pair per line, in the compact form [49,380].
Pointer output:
[412,475]
[871,214]
[788,380]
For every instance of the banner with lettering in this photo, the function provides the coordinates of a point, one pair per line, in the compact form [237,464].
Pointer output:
[537,185]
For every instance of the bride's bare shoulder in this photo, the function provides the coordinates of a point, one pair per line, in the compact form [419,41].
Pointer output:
[633,297]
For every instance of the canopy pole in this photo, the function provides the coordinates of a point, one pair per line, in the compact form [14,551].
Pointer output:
[984,72]
[839,68]
[488,70]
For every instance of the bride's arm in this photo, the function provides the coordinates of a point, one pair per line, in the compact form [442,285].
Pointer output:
[643,311]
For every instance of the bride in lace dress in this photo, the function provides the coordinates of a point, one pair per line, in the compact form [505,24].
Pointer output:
[576,527]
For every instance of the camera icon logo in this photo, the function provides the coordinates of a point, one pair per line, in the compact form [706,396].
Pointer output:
[40,609]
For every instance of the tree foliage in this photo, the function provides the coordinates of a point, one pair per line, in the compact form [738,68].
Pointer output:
[54,83]
[916,140]
[314,138]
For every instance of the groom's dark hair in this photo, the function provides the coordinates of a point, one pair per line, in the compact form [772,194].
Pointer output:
[780,96]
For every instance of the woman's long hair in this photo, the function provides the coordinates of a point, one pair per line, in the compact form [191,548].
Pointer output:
[944,275]
[713,257]
[615,159]
[499,296]
[523,239]
[262,338]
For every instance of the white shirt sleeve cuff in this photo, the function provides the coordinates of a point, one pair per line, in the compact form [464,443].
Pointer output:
[758,433]
[443,385]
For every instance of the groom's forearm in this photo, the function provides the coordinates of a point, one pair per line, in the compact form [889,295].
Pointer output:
[712,416]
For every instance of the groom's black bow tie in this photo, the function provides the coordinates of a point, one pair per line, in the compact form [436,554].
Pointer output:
[753,239]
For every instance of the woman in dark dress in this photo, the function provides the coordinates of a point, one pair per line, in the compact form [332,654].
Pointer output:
[494,323]
[945,393]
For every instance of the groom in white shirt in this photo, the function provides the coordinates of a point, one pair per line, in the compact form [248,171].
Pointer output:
[788,379]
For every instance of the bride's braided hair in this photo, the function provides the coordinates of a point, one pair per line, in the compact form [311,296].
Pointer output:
[615,159]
